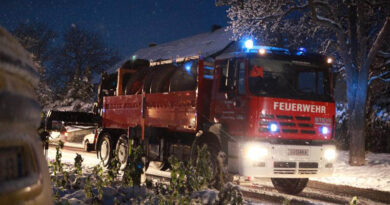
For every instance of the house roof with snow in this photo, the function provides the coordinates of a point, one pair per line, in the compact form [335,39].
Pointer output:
[205,44]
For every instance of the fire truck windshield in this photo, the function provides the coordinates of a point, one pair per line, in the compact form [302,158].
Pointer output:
[282,78]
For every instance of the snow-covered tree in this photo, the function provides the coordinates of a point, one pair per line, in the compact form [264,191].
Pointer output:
[82,54]
[355,28]
[43,91]
[38,39]
[82,49]
[378,105]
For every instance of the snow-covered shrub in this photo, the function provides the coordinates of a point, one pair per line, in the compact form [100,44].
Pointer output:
[113,170]
[230,194]
[341,135]
[193,182]
[88,188]
[134,168]
[378,126]
[99,180]
[57,165]
[78,160]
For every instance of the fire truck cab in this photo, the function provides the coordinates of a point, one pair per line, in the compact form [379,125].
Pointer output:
[277,108]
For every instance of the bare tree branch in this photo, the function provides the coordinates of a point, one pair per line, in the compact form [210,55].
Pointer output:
[379,77]
[383,54]
[323,20]
[342,44]
[292,9]
[375,3]
[377,43]
[324,5]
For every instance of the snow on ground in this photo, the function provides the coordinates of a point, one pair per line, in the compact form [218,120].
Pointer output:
[116,192]
[90,159]
[375,174]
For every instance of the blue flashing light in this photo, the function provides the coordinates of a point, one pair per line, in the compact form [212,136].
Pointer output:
[208,68]
[273,127]
[210,77]
[187,67]
[324,130]
[268,49]
[302,49]
[248,44]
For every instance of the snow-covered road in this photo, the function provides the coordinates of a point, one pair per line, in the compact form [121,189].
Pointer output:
[375,174]
[68,156]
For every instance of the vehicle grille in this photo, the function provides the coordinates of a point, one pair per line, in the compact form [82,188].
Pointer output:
[306,171]
[288,124]
[284,117]
[284,171]
[302,118]
[290,168]
[305,125]
[308,132]
[290,130]
[308,165]
[285,164]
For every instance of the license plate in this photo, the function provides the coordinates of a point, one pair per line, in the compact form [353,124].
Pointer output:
[298,152]
[11,163]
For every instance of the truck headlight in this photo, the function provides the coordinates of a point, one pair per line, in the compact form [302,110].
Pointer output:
[273,127]
[330,153]
[255,152]
[324,130]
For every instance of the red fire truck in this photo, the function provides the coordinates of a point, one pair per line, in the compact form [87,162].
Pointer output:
[270,110]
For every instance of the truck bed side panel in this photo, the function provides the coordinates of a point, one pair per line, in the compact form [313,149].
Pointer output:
[122,111]
[176,111]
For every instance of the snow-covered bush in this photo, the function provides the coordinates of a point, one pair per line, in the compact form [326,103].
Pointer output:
[341,135]
[378,126]
[134,168]
[78,160]
[191,183]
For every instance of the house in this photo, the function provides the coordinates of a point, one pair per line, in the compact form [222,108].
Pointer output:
[208,44]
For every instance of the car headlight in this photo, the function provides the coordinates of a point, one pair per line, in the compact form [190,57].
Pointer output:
[330,154]
[255,152]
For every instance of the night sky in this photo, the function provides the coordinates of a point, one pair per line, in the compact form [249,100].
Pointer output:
[125,25]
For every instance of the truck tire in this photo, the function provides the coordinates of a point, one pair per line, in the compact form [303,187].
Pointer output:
[122,150]
[289,185]
[105,149]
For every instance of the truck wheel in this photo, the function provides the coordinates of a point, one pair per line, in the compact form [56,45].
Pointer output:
[289,186]
[122,150]
[105,150]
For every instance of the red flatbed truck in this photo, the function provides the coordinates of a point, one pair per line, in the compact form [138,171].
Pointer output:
[270,110]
